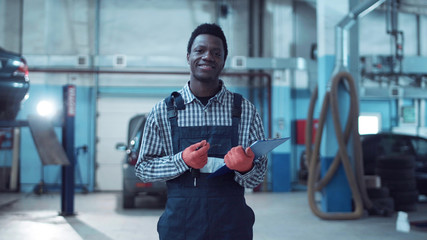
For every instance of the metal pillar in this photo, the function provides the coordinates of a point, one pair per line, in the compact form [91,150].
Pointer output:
[67,189]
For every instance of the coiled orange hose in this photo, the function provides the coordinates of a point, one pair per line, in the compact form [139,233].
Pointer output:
[354,176]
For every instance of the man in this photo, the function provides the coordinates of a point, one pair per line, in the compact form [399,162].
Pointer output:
[189,135]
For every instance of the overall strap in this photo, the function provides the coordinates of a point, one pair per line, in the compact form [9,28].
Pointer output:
[236,112]
[173,103]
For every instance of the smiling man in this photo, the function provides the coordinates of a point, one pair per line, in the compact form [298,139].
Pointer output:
[191,134]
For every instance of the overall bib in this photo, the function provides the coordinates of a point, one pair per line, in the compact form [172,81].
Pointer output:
[215,208]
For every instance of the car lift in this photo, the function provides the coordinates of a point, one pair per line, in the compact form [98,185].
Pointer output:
[46,141]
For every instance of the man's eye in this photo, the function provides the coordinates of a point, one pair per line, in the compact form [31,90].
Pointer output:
[198,50]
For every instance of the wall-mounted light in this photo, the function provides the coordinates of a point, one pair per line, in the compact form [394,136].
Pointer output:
[369,123]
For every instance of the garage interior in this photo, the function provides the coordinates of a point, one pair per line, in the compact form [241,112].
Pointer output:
[98,63]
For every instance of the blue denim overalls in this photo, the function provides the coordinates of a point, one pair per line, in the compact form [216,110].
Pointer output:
[215,208]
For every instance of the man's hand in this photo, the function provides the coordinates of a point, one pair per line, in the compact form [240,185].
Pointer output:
[196,155]
[239,160]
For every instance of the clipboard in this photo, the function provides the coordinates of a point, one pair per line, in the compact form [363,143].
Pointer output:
[260,148]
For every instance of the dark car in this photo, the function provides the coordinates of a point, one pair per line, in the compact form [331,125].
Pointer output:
[132,186]
[14,83]
[381,145]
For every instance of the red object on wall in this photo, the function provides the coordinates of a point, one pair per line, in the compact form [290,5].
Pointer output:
[301,124]
[6,138]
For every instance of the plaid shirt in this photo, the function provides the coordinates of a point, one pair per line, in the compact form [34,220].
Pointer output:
[156,160]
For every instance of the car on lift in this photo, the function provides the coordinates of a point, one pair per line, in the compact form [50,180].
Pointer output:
[394,144]
[14,84]
[132,186]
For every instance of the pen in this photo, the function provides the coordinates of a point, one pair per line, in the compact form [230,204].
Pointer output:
[195,173]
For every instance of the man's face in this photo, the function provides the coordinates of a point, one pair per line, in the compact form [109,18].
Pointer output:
[206,58]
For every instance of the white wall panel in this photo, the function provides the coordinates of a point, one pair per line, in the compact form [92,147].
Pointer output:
[114,114]
[423,34]
[10,25]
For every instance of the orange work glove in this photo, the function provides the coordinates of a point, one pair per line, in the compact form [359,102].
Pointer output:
[239,159]
[196,155]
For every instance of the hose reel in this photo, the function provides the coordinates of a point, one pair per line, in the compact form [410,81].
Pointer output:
[354,176]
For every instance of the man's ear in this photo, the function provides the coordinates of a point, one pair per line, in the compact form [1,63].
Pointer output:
[223,65]
[188,58]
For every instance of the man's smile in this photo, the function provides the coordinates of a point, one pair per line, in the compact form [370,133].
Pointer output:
[206,66]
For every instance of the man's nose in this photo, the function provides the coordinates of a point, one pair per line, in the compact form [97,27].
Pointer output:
[208,56]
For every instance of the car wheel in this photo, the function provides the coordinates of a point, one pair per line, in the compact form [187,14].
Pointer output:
[128,201]
[163,198]
[10,112]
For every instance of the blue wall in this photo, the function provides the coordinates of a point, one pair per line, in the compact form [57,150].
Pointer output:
[30,165]
[387,109]
[288,105]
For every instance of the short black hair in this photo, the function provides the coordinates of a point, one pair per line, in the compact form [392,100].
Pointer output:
[211,29]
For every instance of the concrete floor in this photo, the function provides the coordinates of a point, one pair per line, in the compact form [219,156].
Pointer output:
[100,216]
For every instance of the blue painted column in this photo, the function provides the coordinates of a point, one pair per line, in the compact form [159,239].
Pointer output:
[282,168]
[336,196]
[68,177]
[280,157]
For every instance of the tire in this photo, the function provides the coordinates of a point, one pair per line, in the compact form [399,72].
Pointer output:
[396,174]
[396,162]
[422,185]
[405,197]
[369,168]
[163,198]
[382,206]
[128,201]
[375,193]
[406,207]
[399,185]
[10,112]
